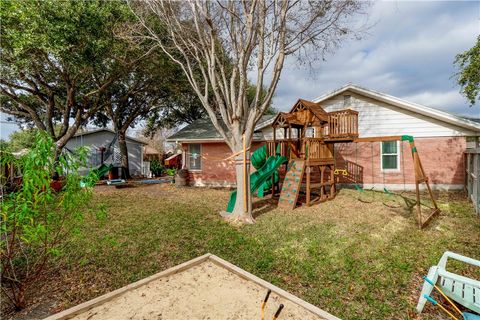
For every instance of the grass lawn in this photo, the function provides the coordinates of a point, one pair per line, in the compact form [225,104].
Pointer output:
[352,259]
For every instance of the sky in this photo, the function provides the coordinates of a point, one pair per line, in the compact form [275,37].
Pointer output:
[6,127]
[408,52]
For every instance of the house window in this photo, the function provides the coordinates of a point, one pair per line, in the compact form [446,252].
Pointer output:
[390,156]
[347,99]
[194,156]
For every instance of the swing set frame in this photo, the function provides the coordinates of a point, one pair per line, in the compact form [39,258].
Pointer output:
[420,176]
[317,150]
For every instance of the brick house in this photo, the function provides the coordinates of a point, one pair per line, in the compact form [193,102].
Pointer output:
[441,139]
[204,152]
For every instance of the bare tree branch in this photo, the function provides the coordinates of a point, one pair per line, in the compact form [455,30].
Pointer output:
[232,44]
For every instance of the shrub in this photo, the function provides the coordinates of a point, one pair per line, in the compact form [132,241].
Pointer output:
[170,172]
[35,219]
[156,167]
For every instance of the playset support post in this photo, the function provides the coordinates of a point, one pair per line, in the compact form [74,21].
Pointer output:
[420,176]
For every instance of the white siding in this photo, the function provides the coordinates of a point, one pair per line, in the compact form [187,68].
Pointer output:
[377,119]
[135,157]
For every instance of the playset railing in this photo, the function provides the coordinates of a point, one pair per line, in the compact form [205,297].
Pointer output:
[316,149]
[341,124]
[312,148]
[285,146]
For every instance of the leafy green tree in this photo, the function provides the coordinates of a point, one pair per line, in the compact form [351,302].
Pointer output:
[4,146]
[22,139]
[468,63]
[151,89]
[58,60]
[35,219]
[184,107]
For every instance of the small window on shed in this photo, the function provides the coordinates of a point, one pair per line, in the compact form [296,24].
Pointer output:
[347,99]
[195,156]
[390,159]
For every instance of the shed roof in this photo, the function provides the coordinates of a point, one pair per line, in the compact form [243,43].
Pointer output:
[95,131]
[203,130]
[150,150]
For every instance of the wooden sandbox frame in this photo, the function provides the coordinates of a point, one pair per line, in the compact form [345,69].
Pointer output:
[83,307]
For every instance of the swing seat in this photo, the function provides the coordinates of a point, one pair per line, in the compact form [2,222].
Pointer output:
[463,290]
[391,201]
[362,194]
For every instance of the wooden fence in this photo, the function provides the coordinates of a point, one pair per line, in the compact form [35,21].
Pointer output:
[472,158]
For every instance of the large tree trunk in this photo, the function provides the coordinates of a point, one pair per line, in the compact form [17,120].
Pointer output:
[122,144]
[61,142]
[242,212]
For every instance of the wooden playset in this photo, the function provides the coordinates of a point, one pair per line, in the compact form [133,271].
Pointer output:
[307,140]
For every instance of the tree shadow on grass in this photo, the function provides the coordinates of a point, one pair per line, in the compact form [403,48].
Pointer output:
[263,205]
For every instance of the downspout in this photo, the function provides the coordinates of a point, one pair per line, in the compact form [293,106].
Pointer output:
[141,159]
[184,160]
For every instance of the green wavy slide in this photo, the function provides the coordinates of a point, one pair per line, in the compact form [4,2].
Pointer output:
[99,172]
[261,180]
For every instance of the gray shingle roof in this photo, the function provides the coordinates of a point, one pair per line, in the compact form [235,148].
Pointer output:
[471,119]
[203,130]
[94,131]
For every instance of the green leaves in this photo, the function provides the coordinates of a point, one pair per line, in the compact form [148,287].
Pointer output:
[74,32]
[468,63]
[59,58]
[35,217]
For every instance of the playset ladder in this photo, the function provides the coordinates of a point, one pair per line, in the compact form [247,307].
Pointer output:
[292,184]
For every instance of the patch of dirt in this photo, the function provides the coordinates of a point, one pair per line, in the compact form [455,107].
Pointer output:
[205,291]
[136,189]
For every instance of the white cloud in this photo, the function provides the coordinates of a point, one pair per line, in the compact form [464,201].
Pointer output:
[435,98]
[409,53]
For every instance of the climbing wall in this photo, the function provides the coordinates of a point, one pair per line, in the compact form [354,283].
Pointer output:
[291,185]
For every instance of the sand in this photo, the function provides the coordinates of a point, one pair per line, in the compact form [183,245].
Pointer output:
[205,291]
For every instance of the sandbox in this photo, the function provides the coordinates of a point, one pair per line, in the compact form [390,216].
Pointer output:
[206,287]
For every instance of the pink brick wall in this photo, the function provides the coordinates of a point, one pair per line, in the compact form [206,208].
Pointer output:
[215,171]
[442,159]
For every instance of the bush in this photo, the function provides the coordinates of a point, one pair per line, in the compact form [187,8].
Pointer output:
[156,167]
[35,219]
[170,172]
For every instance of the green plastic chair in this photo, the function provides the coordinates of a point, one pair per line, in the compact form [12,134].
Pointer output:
[463,290]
